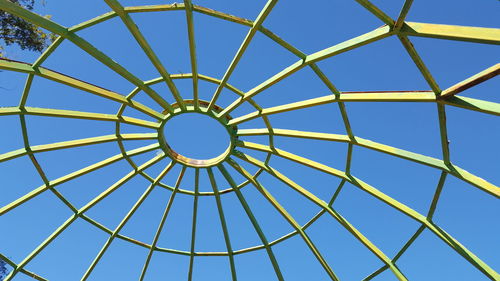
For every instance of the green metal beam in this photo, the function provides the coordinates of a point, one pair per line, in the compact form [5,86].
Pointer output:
[192,49]
[125,219]
[376,12]
[74,175]
[343,97]
[193,223]
[452,32]
[162,223]
[345,46]
[78,84]
[74,143]
[223,224]
[420,64]
[325,206]
[62,31]
[415,157]
[143,43]
[49,112]
[402,14]
[82,210]
[473,104]
[253,220]
[287,216]
[448,239]
[248,38]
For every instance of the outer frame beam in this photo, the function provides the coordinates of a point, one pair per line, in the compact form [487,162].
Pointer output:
[452,32]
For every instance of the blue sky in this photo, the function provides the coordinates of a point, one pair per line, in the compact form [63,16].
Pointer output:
[464,211]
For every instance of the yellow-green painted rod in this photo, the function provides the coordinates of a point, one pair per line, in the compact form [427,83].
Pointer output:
[78,115]
[78,84]
[62,31]
[345,46]
[75,143]
[452,32]
[448,239]
[422,159]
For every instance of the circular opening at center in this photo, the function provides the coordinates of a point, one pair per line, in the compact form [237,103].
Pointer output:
[196,136]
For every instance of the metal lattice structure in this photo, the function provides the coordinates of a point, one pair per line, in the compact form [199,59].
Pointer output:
[228,162]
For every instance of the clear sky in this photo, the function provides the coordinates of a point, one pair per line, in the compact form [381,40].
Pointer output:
[467,213]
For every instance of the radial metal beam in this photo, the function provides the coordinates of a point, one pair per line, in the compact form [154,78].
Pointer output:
[74,143]
[49,112]
[376,12]
[473,104]
[143,43]
[77,214]
[343,97]
[289,218]
[223,223]
[472,81]
[345,46]
[192,49]
[74,175]
[78,84]
[253,220]
[62,31]
[162,223]
[452,32]
[193,223]
[402,14]
[447,238]
[401,153]
[125,219]
[248,38]
[325,206]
